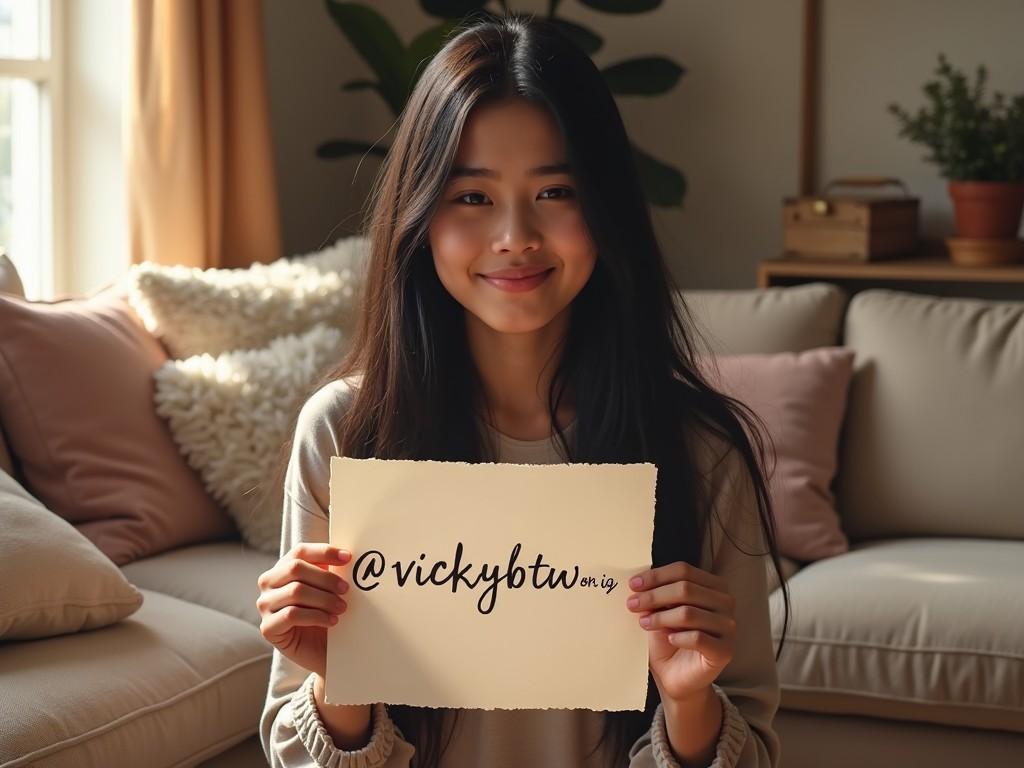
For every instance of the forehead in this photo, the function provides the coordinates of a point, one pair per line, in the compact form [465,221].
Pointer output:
[510,133]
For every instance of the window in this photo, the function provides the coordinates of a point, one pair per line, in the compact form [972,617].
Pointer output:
[29,98]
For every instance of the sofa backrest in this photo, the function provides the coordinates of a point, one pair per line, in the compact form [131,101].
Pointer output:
[768,320]
[933,440]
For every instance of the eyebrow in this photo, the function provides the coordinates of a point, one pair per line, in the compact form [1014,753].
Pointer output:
[541,170]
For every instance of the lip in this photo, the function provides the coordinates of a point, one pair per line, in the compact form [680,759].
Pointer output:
[516,273]
[519,279]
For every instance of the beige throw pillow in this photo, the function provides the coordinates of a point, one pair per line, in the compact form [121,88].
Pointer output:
[194,310]
[55,580]
[231,414]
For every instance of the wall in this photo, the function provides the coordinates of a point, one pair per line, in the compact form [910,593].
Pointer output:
[731,124]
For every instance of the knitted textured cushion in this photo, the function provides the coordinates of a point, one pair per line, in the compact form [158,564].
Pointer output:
[230,415]
[194,310]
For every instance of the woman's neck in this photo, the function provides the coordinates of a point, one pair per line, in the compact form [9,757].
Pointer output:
[516,370]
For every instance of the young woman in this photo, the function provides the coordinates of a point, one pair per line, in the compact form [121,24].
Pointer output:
[517,308]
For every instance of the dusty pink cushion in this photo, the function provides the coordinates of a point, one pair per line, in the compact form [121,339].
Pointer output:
[801,396]
[76,404]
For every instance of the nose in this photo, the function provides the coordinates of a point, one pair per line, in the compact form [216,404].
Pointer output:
[517,231]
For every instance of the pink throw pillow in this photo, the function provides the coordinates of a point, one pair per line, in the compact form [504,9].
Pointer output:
[76,404]
[801,396]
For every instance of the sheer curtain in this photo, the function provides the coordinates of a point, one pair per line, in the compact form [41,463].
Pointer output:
[201,188]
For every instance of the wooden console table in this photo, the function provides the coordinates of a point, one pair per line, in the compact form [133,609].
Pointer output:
[937,276]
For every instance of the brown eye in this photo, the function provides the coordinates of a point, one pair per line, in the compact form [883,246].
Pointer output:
[564,193]
[462,198]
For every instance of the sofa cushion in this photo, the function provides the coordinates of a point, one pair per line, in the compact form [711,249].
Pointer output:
[915,629]
[9,283]
[76,402]
[170,685]
[935,422]
[55,580]
[194,310]
[253,396]
[766,320]
[219,575]
[801,396]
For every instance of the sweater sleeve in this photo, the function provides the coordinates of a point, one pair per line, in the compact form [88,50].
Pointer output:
[291,730]
[748,688]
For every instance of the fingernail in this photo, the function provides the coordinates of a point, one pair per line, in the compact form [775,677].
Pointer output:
[645,621]
[633,602]
[334,619]
[635,582]
[343,554]
[342,587]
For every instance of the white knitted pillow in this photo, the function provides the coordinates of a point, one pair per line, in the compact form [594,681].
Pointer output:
[194,310]
[231,414]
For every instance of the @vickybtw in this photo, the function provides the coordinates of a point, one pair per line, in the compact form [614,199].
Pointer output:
[453,558]
[460,573]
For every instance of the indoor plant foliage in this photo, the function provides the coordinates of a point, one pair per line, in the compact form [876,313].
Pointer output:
[978,146]
[397,66]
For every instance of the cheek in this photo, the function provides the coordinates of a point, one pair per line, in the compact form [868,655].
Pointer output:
[455,246]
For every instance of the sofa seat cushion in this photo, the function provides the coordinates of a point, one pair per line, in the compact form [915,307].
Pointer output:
[219,575]
[170,685]
[915,629]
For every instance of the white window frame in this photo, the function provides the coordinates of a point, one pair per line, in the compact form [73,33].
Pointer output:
[47,72]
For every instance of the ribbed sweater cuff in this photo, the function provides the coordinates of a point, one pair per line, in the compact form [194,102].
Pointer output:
[730,740]
[321,747]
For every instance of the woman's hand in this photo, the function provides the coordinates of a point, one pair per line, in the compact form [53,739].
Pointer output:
[690,618]
[299,599]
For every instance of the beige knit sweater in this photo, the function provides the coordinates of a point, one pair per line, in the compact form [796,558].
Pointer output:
[294,737]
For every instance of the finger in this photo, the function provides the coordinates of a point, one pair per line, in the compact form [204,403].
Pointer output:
[320,552]
[302,595]
[680,593]
[686,617]
[276,626]
[677,571]
[287,570]
[715,652]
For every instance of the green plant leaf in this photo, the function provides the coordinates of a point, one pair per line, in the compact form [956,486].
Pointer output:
[376,41]
[359,85]
[622,6]
[451,9]
[664,185]
[425,46]
[589,41]
[338,148]
[647,76]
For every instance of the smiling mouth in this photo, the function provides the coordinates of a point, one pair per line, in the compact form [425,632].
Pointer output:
[506,280]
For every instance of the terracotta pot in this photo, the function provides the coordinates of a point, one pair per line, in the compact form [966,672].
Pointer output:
[987,209]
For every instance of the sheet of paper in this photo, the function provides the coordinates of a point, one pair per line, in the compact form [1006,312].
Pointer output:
[490,586]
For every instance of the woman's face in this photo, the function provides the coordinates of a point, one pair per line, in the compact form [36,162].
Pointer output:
[508,237]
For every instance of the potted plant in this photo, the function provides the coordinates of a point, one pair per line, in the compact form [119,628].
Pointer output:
[979,149]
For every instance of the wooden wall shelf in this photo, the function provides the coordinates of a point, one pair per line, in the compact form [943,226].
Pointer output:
[933,276]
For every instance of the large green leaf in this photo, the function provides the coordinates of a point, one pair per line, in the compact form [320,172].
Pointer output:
[375,40]
[647,76]
[622,6]
[338,148]
[424,46]
[583,37]
[664,185]
[359,85]
[451,9]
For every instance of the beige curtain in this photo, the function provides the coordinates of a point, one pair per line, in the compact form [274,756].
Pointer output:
[201,188]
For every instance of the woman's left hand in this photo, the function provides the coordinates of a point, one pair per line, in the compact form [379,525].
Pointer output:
[690,618]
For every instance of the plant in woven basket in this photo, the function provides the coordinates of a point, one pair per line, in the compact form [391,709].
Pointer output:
[397,67]
[978,146]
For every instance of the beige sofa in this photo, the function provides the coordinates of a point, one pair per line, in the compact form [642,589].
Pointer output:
[909,647]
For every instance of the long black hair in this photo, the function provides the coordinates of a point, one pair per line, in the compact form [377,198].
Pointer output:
[630,357]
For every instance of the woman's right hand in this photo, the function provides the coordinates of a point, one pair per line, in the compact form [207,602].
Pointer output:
[299,599]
